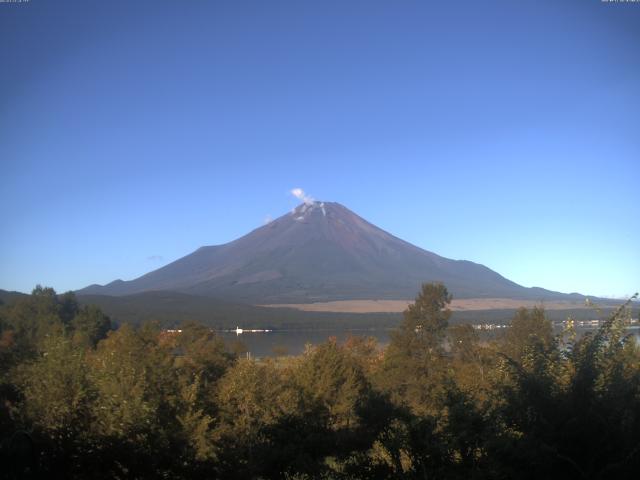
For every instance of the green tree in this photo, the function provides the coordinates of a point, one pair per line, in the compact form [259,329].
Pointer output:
[33,318]
[530,331]
[200,361]
[413,367]
[471,361]
[571,413]
[57,405]
[90,325]
[333,380]
[257,401]
[201,353]
[136,404]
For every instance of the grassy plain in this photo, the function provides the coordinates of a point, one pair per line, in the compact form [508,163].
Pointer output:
[397,306]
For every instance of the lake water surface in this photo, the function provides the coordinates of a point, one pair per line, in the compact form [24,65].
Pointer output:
[292,342]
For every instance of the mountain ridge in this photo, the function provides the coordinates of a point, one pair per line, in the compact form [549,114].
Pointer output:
[320,251]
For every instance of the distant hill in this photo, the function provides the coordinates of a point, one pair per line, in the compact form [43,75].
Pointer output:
[320,251]
[8,297]
[171,309]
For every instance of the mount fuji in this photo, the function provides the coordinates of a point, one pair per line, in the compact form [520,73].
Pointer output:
[320,251]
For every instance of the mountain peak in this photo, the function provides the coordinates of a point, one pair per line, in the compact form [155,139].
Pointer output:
[319,251]
[302,211]
[334,210]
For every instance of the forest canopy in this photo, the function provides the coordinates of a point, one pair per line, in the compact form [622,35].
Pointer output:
[81,399]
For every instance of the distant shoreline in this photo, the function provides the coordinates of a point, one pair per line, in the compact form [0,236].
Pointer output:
[457,305]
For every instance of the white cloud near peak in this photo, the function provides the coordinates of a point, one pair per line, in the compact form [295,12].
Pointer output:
[301,195]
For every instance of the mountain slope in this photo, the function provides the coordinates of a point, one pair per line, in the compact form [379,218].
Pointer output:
[318,252]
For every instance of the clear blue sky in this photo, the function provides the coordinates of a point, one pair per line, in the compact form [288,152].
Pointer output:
[502,132]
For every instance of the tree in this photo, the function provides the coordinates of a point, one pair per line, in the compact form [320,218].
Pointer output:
[413,362]
[570,413]
[201,353]
[136,402]
[428,315]
[257,401]
[32,319]
[57,403]
[471,361]
[529,330]
[90,325]
[333,380]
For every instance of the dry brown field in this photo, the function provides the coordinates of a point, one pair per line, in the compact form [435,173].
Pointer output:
[394,306]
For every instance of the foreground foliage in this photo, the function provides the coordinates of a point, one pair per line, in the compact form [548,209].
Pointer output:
[80,400]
